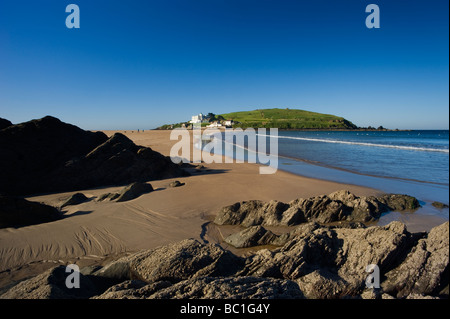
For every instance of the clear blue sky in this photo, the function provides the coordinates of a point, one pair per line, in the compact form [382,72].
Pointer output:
[139,64]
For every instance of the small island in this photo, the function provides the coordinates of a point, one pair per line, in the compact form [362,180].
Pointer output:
[284,119]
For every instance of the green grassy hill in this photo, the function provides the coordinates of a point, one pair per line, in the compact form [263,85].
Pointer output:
[288,119]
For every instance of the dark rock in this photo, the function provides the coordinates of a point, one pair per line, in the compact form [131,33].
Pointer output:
[236,213]
[133,191]
[32,151]
[4,123]
[271,213]
[338,206]
[252,236]
[17,212]
[120,161]
[119,269]
[107,196]
[439,205]
[176,184]
[397,202]
[127,193]
[89,270]
[48,155]
[321,209]
[74,199]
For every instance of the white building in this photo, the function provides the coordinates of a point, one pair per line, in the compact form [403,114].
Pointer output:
[197,119]
[228,123]
[215,124]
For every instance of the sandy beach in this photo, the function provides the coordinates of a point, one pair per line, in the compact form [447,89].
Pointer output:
[93,232]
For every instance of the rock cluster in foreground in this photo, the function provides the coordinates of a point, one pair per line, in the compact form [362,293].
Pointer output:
[315,262]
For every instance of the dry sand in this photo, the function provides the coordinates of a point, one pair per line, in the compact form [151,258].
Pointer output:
[92,231]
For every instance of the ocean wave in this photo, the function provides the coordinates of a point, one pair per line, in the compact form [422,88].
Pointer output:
[402,147]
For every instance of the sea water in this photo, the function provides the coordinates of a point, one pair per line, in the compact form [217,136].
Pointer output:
[405,162]
[409,155]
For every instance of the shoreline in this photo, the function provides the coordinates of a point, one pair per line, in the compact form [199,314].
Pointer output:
[424,212]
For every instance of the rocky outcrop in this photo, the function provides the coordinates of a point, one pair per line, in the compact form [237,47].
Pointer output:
[252,236]
[4,123]
[74,199]
[258,235]
[52,285]
[331,262]
[32,151]
[180,261]
[47,155]
[315,262]
[176,184]
[18,212]
[133,191]
[425,270]
[338,206]
[439,205]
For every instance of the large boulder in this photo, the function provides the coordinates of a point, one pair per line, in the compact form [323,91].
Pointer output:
[425,270]
[48,155]
[175,262]
[32,151]
[74,199]
[236,213]
[52,285]
[17,212]
[133,191]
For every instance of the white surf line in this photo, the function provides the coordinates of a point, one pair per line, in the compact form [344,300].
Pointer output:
[410,148]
